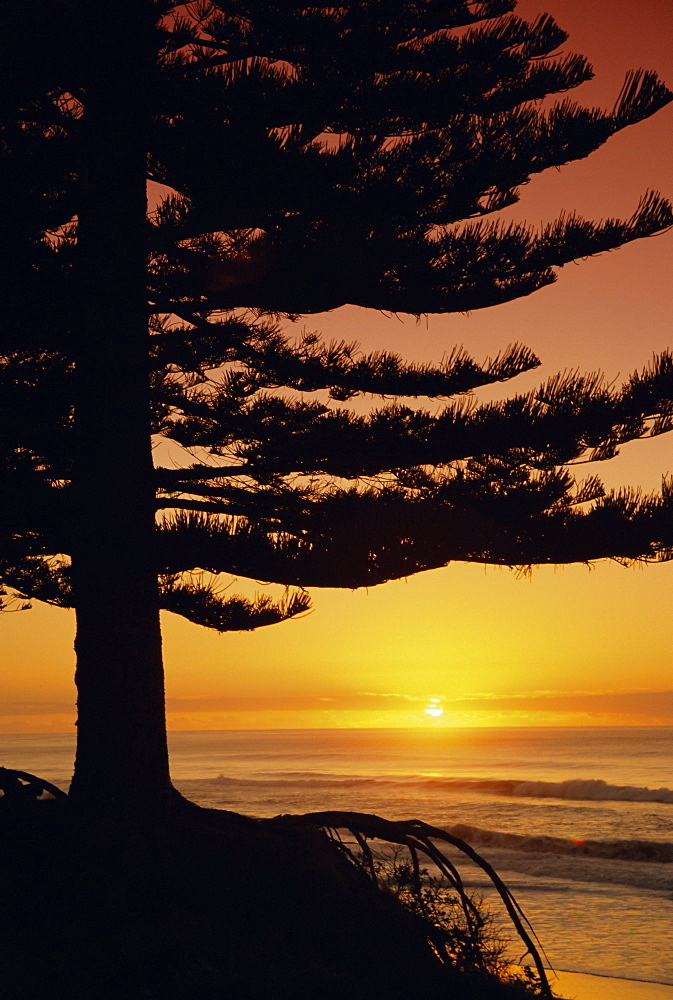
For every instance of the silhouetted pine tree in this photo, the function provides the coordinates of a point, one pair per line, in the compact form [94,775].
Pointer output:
[303,157]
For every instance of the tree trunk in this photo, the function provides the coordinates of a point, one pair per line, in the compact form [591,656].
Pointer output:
[122,757]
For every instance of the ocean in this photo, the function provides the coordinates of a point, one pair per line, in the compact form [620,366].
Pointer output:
[578,822]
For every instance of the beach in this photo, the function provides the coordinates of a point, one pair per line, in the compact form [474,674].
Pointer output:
[578,986]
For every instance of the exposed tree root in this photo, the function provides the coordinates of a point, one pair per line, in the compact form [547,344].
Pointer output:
[418,837]
[167,893]
[20,785]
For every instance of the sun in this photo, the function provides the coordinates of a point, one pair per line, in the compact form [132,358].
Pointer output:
[434,708]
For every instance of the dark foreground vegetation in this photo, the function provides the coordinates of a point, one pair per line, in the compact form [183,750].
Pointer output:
[207,905]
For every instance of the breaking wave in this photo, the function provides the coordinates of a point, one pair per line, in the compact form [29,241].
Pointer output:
[309,785]
[577,789]
[621,850]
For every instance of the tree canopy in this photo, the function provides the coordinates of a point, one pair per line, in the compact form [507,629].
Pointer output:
[300,158]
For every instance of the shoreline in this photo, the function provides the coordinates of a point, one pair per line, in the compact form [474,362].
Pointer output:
[586,986]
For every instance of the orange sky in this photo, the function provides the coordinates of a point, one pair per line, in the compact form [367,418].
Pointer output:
[567,646]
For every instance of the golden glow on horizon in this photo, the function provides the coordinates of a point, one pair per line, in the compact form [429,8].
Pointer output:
[512,653]
[283,720]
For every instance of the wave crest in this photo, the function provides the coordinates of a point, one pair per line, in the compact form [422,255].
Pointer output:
[622,850]
[577,789]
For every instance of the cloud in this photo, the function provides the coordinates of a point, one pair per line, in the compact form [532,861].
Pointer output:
[650,705]
[295,703]
[654,704]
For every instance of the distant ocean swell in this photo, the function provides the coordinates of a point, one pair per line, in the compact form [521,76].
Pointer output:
[577,789]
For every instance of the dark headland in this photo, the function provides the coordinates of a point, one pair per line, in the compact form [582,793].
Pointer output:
[205,904]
